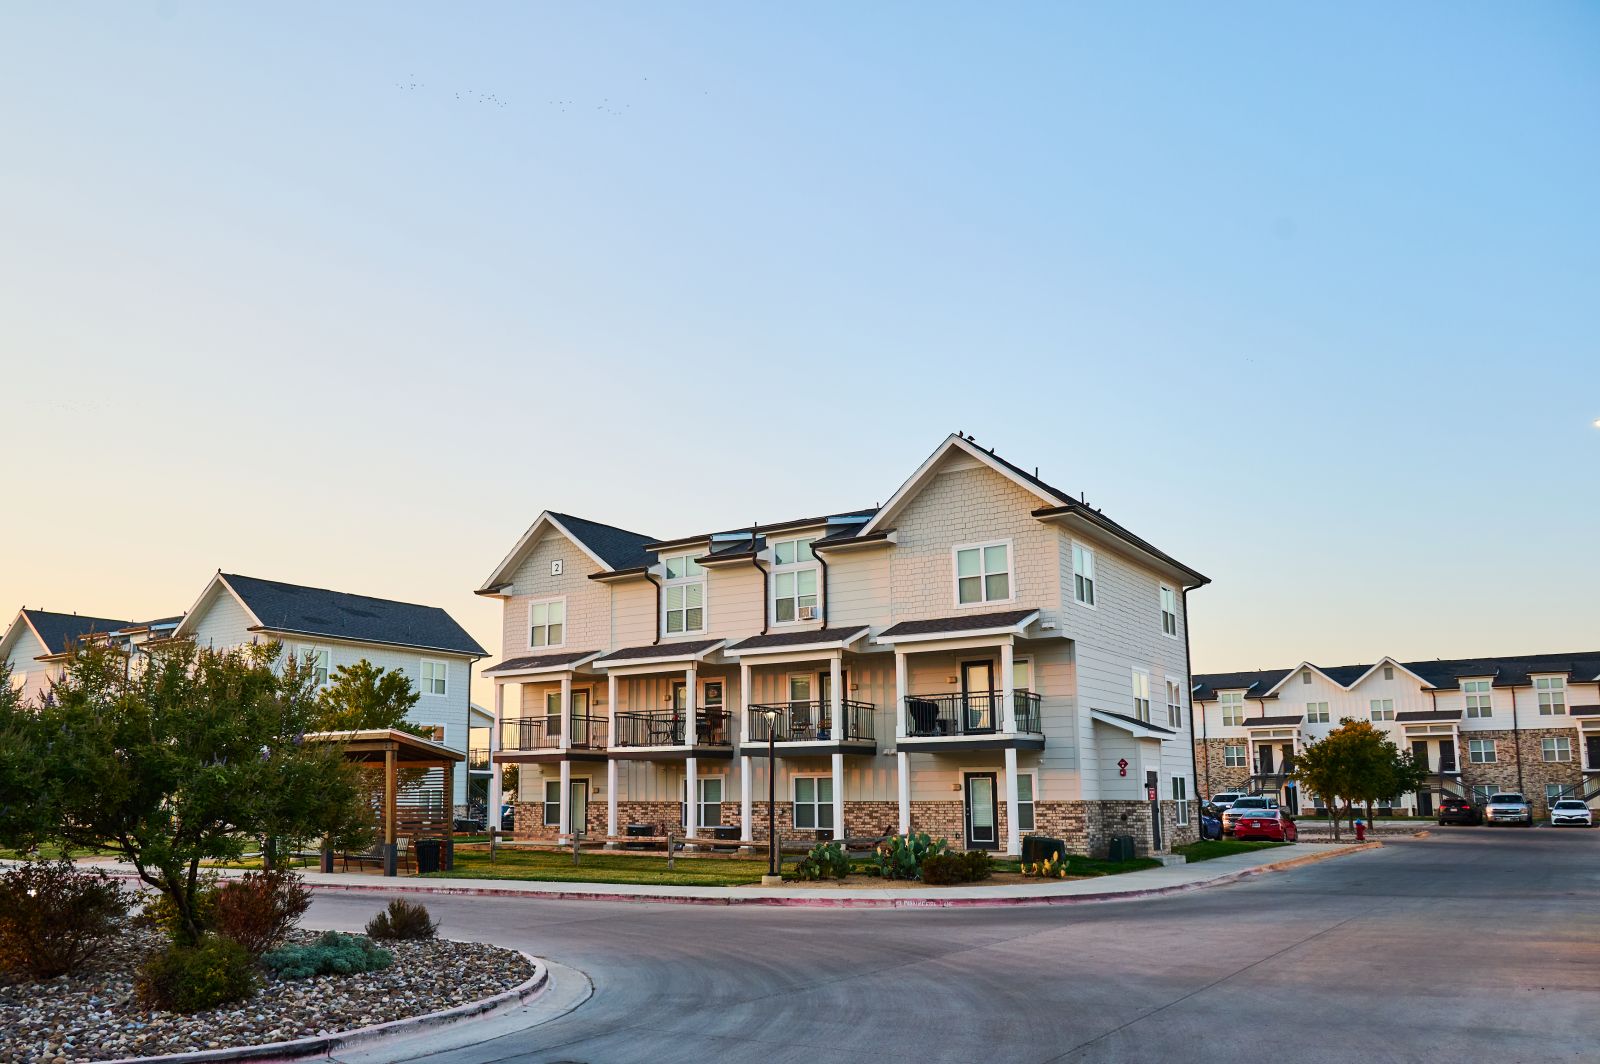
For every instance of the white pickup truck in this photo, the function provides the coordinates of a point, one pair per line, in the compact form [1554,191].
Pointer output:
[1508,807]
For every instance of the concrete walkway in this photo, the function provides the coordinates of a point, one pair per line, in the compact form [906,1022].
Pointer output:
[1169,879]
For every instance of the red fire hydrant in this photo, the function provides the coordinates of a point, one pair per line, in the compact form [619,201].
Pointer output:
[1361,831]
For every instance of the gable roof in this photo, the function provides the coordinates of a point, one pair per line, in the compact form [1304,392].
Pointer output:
[294,609]
[609,547]
[58,631]
[1444,673]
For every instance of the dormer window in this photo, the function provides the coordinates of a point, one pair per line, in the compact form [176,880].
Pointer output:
[794,581]
[683,595]
[1552,692]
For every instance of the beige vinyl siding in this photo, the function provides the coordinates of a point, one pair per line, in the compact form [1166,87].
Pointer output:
[588,619]
[223,622]
[858,587]
[733,601]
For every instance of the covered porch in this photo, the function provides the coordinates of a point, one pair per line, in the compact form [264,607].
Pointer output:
[1434,740]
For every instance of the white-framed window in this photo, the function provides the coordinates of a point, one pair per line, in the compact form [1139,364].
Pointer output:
[813,802]
[1169,612]
[435,677]
[1174,705]
[1482,792]
[552,803]
[1180,794]
[1141,695]
[1382,709]
[1556,748]
[1232,703]
[1388,672]
[552,713]
[1480,697]
[1305,677]
[1022,674]
[1554,792]
[794,581]
[1481,752]
[707,804]
[983,573]
[1316,712]
[683,595]
[547,623]
[1552,692]
[1026,783]
[19,680]
[319,660]
[1233,755]
[1082,575]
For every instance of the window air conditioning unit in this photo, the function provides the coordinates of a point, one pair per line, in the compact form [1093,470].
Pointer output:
[808,613]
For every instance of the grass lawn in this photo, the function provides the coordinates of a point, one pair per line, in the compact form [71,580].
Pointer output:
[1206,849]
[51,850]
[606,868]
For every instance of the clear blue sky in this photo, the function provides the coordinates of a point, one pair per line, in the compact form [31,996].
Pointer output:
[347,295]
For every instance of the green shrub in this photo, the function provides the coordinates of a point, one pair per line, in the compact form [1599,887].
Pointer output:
[159,912]
[331,954]
[827,860]
[190,978]
[54,916]
[259,908]
[902,856]
[403,920]
[942,869]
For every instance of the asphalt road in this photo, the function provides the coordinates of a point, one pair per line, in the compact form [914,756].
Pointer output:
[1478,944]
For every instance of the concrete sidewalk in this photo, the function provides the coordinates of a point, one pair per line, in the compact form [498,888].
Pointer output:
[1170,879]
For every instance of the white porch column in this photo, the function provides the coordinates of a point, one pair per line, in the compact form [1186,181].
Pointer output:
[566,797]
[691,774]
[691,723]
[838,782]
[611,798]
[1008,692]
[566,712]
[613,685]
[495,797]
[903,773]
[900,695]
[746,809]
[744,704]
[836,697]
[1013,804]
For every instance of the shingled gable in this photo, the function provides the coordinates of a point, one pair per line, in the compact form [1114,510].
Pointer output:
[957,444]
[609,547]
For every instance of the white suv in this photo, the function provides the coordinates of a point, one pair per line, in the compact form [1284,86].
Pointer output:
[1571,811]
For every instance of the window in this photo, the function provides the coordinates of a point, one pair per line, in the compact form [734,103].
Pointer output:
[1479,698]
[1554,792]
[983,573]
[433,677]
[1481,752]
[1083,574]
[1141,695]
[552,803]
[318,660]
[1316,712]
[1021,674]
[1169,612]
[813,802]
[708,802]
[552,713]
[794,581]
[547,622]
[1482,792]
[434,732]
[1233,755]
[1174,705]
[1305,677]
[1232,703]
[1552,695]
[1557,748]
[1180,794]
[1025,801]
[1388,672]
[1383,709]
[683,595]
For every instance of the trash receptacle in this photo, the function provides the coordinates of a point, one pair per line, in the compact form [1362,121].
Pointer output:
[725,833]
[1038,847]
[427,851]
[636,830]
[1121,848]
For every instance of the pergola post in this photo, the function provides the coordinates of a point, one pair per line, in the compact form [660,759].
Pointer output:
[495,797]
[391,788]
[447,858]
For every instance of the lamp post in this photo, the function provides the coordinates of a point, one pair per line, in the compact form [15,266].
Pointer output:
[774,876]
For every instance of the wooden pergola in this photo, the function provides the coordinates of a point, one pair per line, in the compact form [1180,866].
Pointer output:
[393,752]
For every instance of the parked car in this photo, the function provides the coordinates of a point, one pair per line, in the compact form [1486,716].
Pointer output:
[1571,811]
[1248,803]
[1273,824]
[1210,821]
[1226,798]
[1508,807]
[1459,811]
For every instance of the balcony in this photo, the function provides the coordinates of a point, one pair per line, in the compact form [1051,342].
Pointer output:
[809,728]
[533,739]
[478,759]
[662,734]
[973,721]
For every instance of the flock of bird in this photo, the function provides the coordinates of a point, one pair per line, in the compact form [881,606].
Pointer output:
[493,100]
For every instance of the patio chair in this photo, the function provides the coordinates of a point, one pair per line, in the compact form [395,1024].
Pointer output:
[924,716]
[801,726]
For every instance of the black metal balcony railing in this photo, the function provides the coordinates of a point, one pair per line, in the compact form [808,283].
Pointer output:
[807,722]
[978,713]
[478,757]
[669,727]
[544,733]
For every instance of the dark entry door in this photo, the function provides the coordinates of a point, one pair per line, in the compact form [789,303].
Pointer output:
[580,718]
[983,825]
[1419,752]
[1447,755]
[1593,743]
[1264,759]
[977,697]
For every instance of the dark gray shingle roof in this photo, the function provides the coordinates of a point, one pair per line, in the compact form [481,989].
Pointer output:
[339,615]
[804,638]
[967,622]
[620,548]
[662,650]
[60,630]
[1445,674]
[541,661]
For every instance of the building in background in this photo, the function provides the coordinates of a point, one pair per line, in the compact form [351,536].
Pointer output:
[37,644]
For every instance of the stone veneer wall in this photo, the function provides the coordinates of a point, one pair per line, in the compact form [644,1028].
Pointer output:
[1536,771]
[1209,756]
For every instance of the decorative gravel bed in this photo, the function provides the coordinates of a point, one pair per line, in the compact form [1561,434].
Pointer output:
[92,1015]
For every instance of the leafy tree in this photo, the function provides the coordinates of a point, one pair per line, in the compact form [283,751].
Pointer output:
[1356,763]
[23,818]
[183,760]
[364,696]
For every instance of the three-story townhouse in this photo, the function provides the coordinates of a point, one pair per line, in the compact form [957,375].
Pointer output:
[38,643]
[1526,723]
[981,657]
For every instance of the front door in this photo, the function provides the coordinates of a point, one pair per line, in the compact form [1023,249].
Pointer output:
[1447,755]
[1419,754]
[977,697]
[578,807]
[580,718]
[1593,744]
[983,827]
[1264,759]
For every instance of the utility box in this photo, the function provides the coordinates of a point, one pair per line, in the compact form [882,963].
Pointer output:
[638,830]
[1121,848]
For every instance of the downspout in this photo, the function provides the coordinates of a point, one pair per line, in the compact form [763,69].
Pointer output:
[648,575]
[824,582]
[1516,740]
[756,561]
[1188,685]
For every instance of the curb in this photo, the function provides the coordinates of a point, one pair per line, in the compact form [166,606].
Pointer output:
[854,902]
[326,1044]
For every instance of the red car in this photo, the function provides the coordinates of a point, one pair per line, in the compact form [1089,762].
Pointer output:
[1265,824]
